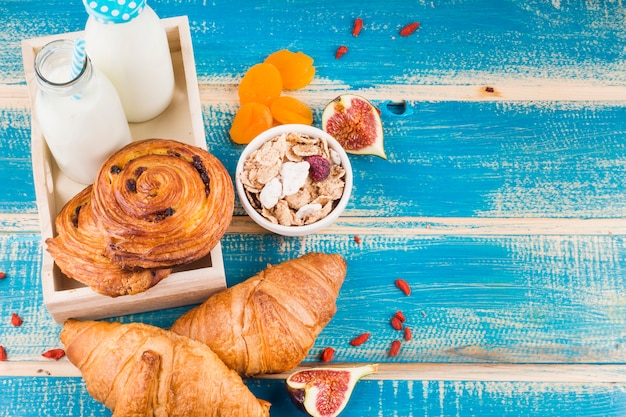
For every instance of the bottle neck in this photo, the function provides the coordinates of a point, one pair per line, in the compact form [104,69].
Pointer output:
[114,11]
[53,69]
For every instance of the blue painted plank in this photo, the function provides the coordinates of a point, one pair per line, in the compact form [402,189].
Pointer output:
[447,159]
[403,398]
[487,159]
[492,299]
[477,39]
[16,184]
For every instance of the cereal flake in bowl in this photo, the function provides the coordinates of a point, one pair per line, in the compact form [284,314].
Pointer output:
[294,180]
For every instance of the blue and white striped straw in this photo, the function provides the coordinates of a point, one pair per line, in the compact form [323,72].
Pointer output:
[78,57]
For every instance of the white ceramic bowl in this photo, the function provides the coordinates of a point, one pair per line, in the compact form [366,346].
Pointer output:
[294,230]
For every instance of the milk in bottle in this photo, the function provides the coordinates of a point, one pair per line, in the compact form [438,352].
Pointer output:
[79,113]
[127,42]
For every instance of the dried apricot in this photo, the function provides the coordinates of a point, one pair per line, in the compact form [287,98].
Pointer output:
[251,119]
[286,109]
[296,68]
[262,83]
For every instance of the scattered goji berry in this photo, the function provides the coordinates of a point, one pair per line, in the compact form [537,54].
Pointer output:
[16,320]
[394,349]
[3,354]
[404,286]
[341,51]
[357,239]
[409,29]
[360,339]
[407,334]
[358,25]
[400,315]
[55,354]
[396,323]
[3,275]
[327,354]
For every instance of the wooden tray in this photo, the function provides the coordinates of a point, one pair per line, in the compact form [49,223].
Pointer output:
[191,284]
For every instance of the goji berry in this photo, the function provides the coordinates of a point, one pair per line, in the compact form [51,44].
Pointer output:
[358,25]
[404,286]
[396,323]
[3,354]
[16,320]
[357,239]
[360,339]
[55,354]
[3,275]
[327,354]
[400,315]
[394,349]
[341,51]
[407,334]
[409,29]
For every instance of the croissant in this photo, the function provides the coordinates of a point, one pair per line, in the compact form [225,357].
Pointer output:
[79,251]
[268,323]
[162,202]
[141,370]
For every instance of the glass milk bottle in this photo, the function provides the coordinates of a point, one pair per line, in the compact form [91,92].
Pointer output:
[79,112]
[127,42]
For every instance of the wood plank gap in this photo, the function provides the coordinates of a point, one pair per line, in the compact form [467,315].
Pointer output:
[18,223]
[438,226]
[547,373]
[583,373]
[222,91]
[403,226]
[541,91]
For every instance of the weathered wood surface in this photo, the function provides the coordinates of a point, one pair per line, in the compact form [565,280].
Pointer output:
[505,210]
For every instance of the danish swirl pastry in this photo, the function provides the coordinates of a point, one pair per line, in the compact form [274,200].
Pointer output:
[79,252]
[155,204]
[162,203]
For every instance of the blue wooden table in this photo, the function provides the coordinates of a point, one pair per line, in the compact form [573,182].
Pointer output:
[502,202]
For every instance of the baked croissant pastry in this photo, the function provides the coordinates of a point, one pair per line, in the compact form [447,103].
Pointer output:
[268,323]
[162,202]
[79,251]
[141,370]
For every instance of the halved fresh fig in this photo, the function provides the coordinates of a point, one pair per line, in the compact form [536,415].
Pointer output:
[355,123]
[324,392]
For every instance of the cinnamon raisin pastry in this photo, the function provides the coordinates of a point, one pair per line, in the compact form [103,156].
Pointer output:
[79,251]
[162,203]
[155,204]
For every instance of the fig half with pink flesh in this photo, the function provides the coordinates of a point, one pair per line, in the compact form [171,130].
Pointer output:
[324,392]
[355,123]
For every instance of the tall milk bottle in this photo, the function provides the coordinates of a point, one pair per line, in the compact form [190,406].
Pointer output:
[127,42]
[78,111]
